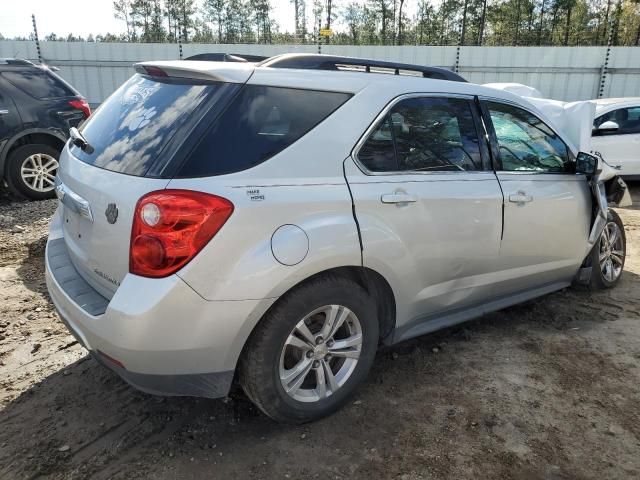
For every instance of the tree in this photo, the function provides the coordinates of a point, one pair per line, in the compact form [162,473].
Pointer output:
[121,9]
[353,17]
[299,8]
[214,11]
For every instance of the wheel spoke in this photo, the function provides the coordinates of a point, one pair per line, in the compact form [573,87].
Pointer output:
[609,269]
[293,378]
[334,319]
[352,341]
[329,376]
[613,237]
[303,330]
[347,353]
[52,163]
[298,343]
[616,258]
[321,382]
[48,179]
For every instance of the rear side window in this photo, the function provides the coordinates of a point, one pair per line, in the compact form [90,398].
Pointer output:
[130,130]
[259,123]
[424,134]
[38,83]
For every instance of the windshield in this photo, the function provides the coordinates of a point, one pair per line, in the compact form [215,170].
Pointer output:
[130,130]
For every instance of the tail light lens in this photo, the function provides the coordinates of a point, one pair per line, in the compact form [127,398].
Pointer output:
[81,104]
[171,226]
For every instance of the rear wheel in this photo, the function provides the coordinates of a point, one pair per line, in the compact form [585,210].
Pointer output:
[311,351]
[31,171]
[608,254]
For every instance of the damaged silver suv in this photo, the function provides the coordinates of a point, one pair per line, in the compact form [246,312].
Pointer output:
[274,223]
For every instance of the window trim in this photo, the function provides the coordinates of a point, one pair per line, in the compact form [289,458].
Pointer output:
[493,139]
[385,111]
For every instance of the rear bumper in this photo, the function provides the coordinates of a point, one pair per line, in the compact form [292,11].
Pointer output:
[165,338]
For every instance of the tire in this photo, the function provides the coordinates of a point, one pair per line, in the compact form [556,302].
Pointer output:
[26,183]
[607,273]
[266,358]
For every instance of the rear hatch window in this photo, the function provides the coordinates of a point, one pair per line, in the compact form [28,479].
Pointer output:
[135,127]
[39,83]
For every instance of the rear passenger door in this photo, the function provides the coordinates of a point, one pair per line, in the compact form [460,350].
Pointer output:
[427,203]
[547,206]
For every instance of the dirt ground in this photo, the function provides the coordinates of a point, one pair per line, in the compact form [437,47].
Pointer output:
[546,390]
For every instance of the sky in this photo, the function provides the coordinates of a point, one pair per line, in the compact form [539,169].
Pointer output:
[82,17]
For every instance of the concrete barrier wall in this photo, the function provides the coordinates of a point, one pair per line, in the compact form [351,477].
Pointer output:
[562,73]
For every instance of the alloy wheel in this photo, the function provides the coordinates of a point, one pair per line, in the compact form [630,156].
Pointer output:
[38,172]
[611,252]
[321,353]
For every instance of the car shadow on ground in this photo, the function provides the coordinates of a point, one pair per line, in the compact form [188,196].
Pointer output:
[84,421]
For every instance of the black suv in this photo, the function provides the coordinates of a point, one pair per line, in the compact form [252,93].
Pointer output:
[37,108]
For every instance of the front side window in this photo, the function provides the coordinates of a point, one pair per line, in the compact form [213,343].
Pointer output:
[424,134]
[627,119]
[526,143]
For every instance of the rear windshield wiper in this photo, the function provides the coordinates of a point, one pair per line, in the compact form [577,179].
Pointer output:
[79,140]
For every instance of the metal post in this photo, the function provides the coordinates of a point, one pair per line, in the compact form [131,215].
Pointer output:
[35,34]
[458,47]
[319,37]
[605,65]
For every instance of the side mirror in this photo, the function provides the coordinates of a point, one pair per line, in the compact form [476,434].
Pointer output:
[608,127]
[586,163]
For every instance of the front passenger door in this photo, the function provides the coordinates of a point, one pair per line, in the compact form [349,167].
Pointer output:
[547,206]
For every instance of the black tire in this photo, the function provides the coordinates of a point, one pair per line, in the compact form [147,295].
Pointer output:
[598,277]
[14,165]
[259,365]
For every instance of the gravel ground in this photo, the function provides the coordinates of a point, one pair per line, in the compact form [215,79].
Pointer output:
[546,390]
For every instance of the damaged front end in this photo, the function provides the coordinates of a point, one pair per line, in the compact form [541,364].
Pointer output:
[608,190]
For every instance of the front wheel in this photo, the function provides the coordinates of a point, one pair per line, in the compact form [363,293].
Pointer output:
[311,351]
[608,254]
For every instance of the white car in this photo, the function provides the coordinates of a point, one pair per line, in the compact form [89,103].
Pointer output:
[275,223]
[616,134]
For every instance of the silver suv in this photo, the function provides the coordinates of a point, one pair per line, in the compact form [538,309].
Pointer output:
[277,222]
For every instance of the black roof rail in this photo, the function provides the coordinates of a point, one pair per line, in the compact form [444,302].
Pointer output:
[226,57]
[336,62]
[15,61]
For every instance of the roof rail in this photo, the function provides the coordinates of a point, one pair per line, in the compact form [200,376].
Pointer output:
[335,62]
[226,57]
[15,61]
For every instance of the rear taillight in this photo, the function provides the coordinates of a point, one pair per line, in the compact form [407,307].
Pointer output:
[81,104]
[171,226]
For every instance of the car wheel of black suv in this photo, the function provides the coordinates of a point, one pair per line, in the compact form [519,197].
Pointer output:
[311,351]
[31,170]
[608,254]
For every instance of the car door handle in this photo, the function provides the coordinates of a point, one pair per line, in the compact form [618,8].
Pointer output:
[520,197]
[399,198]
[4,112]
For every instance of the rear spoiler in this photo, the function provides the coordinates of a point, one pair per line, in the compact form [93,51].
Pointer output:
[228,72]
[226,57]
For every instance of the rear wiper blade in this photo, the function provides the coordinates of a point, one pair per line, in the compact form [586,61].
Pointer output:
[79,140]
